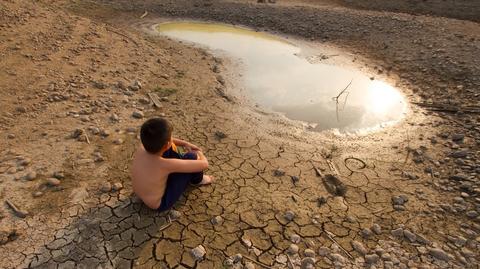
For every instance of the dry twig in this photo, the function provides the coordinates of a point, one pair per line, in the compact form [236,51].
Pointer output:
[328,234]
[257,262]
[144,15]
[336,98]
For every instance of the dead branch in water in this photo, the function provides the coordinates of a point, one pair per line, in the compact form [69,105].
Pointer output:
[336,98]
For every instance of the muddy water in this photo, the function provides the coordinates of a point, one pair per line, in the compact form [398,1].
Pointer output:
[276,78]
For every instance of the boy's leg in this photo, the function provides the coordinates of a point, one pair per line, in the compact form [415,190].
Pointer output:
[177,183]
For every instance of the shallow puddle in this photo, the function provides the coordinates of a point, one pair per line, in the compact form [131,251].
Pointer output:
[276,78]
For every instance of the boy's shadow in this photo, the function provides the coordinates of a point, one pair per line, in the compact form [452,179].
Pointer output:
[111,235]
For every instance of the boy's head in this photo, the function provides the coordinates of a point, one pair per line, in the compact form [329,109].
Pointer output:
[155,134]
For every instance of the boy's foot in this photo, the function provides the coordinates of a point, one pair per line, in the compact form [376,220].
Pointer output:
[207,180]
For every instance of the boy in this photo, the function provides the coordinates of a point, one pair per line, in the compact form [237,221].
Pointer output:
[159,173]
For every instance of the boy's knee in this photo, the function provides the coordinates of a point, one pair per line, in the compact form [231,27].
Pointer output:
[190,156]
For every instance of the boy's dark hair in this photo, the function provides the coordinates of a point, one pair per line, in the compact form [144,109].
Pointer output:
[155,133]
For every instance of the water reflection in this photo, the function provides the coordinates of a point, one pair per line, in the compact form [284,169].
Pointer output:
[276,78]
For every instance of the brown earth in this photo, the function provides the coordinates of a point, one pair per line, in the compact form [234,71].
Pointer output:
[72,73]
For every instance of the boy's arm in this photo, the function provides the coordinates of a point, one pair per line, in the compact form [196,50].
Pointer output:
[183,143]
[187,166]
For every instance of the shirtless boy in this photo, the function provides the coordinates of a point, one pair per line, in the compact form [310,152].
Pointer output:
[160,174]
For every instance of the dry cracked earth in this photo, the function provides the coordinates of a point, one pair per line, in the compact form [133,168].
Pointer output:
[75,79]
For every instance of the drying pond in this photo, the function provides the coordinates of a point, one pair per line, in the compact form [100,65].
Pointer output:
[276,78]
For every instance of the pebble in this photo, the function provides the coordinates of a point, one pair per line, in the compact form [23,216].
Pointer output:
[472,214]
[459,154]
[237,258]
[30,176]
[399,200]
[359,247]
[323,251]
[117,186]
[53,181]
[308,263]
[118,141]
[438,254]
[458,137]
[198,253]
[37,194]
[174,214]
[398,232]
[366,233]
[410,236]
[216,220]
[138,114]
[10,136]
[376,228]
[289,215]
[371,259]
[59,175]
[293,249]
[278,172]
[295,238]
[106,187]
[282,259]
[114,118]
[309,253]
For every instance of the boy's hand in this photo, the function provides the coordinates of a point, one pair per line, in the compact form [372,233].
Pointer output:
[192,147]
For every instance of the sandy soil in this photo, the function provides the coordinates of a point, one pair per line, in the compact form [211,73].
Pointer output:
[75,78]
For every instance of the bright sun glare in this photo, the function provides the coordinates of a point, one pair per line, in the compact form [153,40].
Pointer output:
[382,98]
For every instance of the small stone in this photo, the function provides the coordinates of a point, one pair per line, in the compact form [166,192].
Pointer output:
[410,236]
[138,114]
[459,154]
[472,214]
[216,220]
[37,194]
[282,259]
[10,136]
[289,215]
[118,141]
[309,253]
[439,254]
[399,200]
[198,253]
[106,187]
[174,214]
[278,172]
[77,133]
[376,228]
[323,251]
[53,181]
[292,249]
[246,242]
[295,238]
[114,118]
[371,259]
[359,247]
[321,200]
[237,258]
[366,233]
[30,176]
[59,175]
[117,186]
[398,232]
[458,137]
[308,263]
